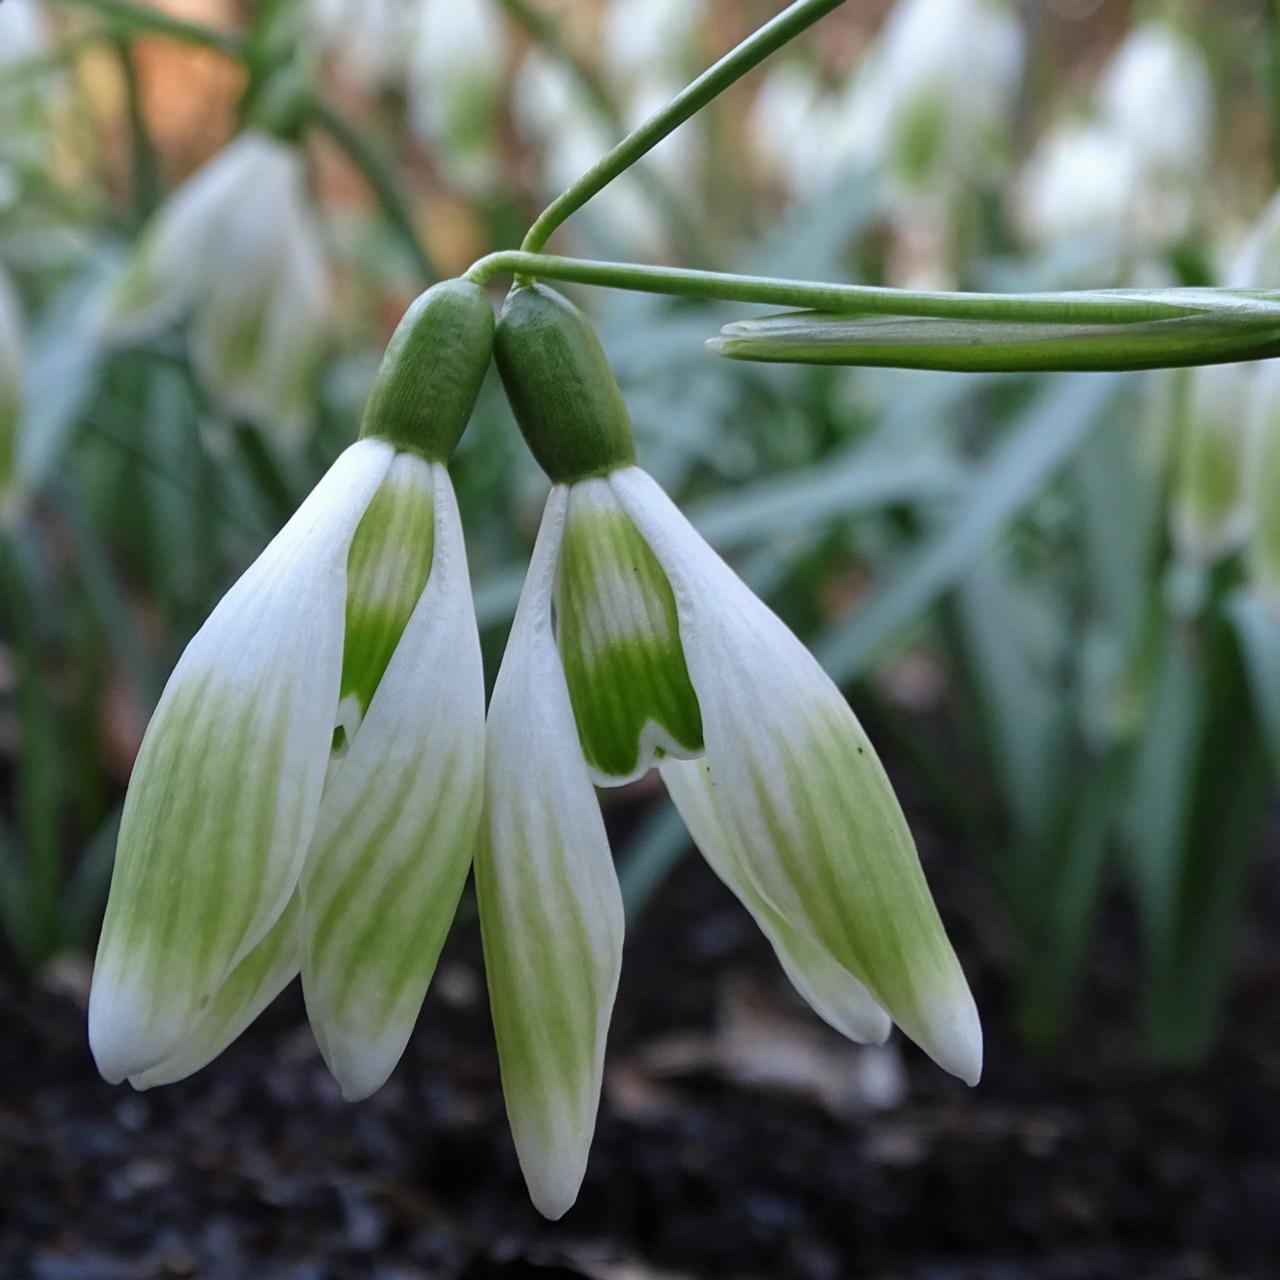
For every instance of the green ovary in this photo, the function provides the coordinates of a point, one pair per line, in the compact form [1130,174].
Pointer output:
[387,571]
[619,641]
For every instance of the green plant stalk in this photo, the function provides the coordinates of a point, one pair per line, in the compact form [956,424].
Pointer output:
[687,103]
[666,201]
[129,17]
[367,158]
[146,170]
[1100,329]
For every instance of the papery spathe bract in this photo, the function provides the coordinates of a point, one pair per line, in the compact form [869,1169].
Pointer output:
[459,74]
[635,645]
[308,791]
[237,248]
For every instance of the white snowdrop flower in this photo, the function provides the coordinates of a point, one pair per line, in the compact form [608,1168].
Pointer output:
[369,40]
[553,115]
[1227,451]
[647,39]
[933,97]
[1156,94]
[236,248]
[1082,180]
[308,792]
[457,82]
[635,645]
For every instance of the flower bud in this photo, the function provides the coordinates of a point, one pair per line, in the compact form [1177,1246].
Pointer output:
[562,391]
[427,384]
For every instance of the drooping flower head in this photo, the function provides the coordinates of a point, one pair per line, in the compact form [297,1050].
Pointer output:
[1224,442]
[635,645]
[237,249]
[308,791]
[457,80]
[932,100]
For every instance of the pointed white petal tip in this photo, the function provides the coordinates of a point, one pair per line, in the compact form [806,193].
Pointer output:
[554,1185]
[360,1065]
[955,1036]
[123,1036]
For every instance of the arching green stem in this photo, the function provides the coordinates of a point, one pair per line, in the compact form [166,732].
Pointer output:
[1103,306]
[1106,328]
[752,51]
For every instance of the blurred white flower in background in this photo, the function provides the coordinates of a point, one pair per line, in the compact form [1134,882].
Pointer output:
[1134,170]
[1156,93]
[237,248]
[799,131]
[1080,181]
[22,31]
[25,100]
[457,82]
[931,103]
[554,117]
[369,40]
[1228,459]
[12,365]
[646,39]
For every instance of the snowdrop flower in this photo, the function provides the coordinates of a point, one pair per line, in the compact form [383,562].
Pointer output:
[237,248]
[1156,94]
[787,126]
[25,99]
[1264,484]
[1226,444]
[370,39]
[1082,180]
[457,81]
[931,101]
[553,115]
[635,645]
[12,363]
[648,39]
[308,792]
[1210,511]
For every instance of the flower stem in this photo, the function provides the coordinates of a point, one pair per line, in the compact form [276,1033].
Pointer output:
[688,102]
[1104,306]
[1203,325]
[381,179]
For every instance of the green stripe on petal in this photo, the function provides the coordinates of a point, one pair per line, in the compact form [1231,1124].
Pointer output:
[550,907]
[252,985]
[619,641]
[805,802]
[225,793]
[829,988]
[398,823]
[387,573]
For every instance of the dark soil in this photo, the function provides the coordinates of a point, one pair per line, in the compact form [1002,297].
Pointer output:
[737,1138]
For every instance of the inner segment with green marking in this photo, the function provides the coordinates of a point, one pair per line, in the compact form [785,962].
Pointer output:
[387,571]
[619,640]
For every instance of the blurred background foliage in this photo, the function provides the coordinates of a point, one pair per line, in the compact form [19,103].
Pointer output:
[1054,599]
